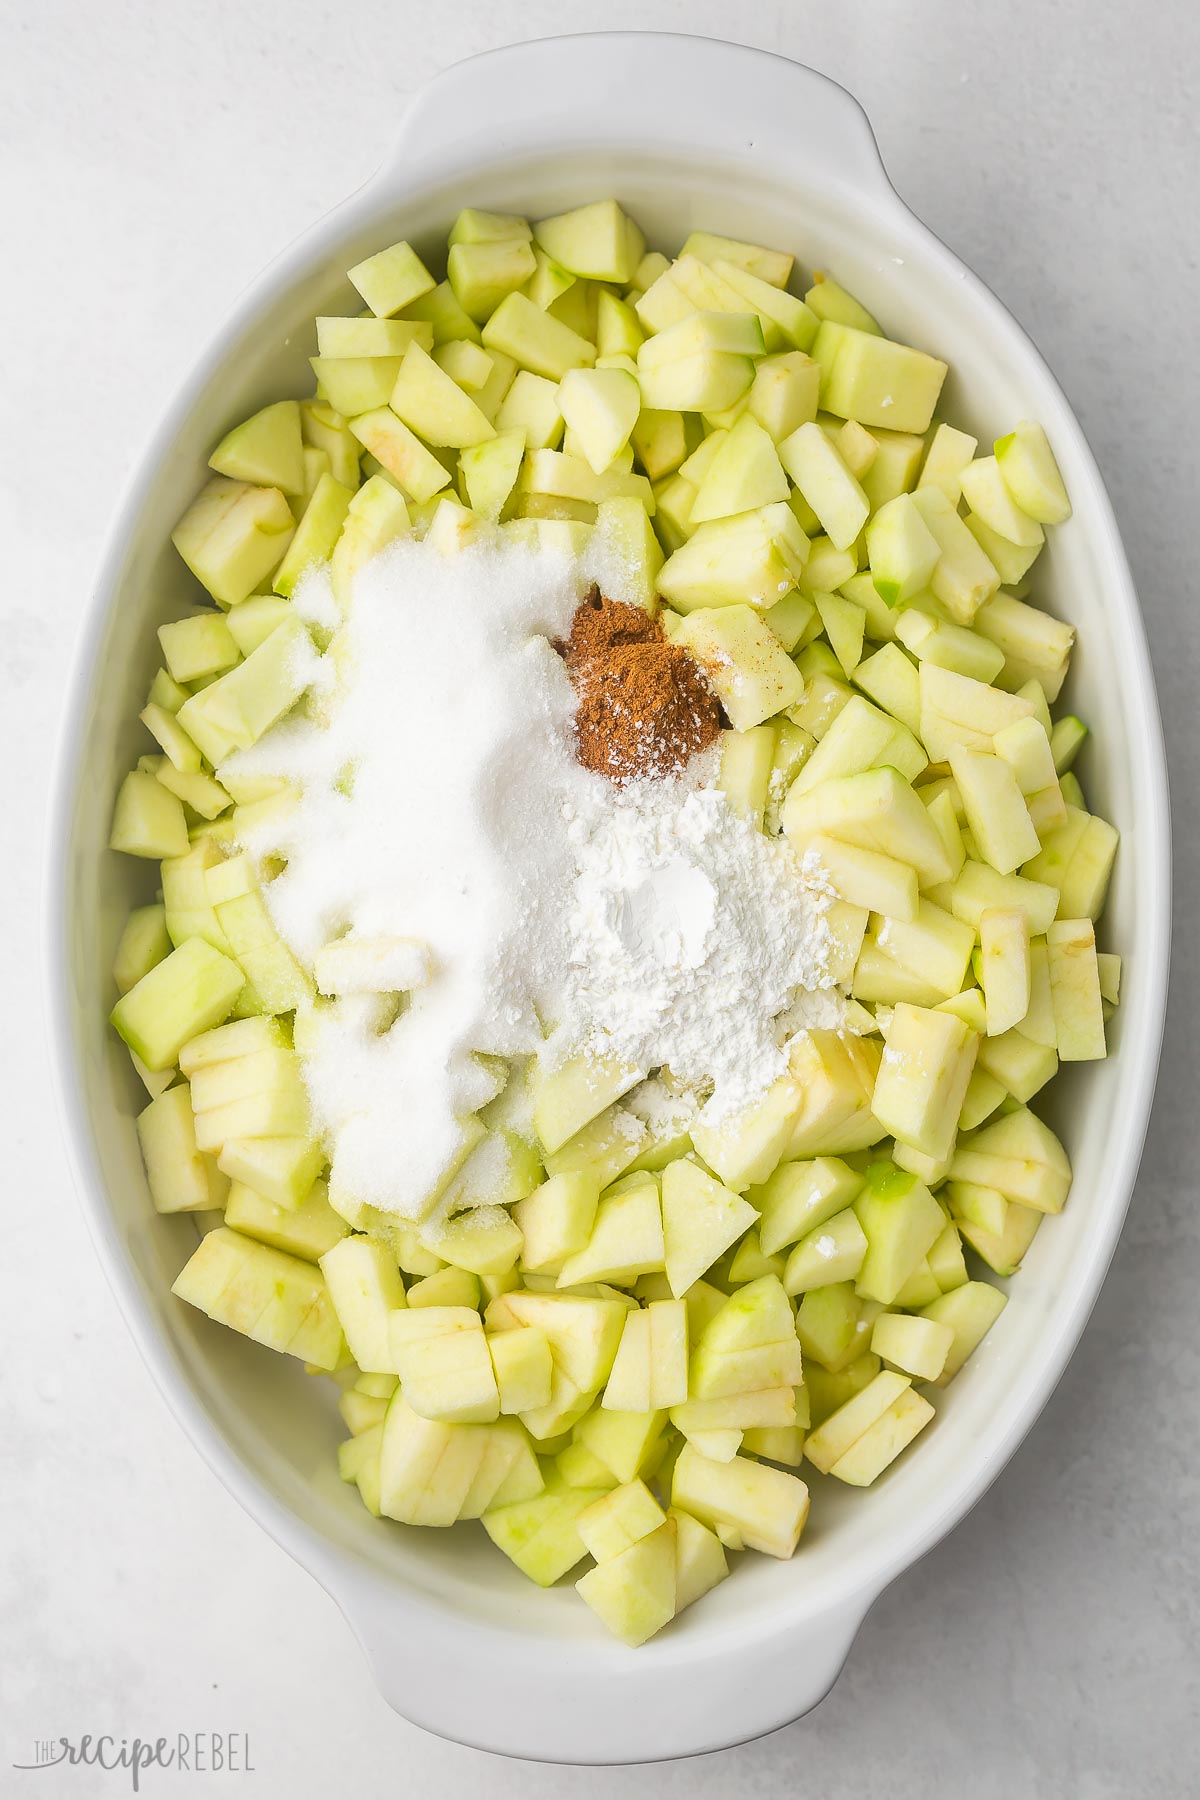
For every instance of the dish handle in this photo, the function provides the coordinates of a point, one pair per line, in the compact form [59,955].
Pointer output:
[587,1700]
[612,87]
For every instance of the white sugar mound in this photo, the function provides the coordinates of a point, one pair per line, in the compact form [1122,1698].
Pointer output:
[439,799]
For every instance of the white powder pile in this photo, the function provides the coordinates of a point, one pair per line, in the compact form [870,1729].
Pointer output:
[439,800]
[690,934]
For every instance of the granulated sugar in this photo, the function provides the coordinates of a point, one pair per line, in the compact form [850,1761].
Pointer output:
[439,800]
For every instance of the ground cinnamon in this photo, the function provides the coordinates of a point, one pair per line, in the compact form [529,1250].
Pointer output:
[645,706]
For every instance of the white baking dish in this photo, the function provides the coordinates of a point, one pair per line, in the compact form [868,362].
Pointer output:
[687,132]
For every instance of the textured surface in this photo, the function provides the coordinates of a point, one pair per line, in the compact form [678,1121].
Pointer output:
[150,161]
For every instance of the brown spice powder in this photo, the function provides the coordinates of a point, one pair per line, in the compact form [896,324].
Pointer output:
[645,707]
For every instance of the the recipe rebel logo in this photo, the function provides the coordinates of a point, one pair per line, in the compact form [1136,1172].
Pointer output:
[189,1752]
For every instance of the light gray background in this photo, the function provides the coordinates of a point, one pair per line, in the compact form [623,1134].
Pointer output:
[151,160]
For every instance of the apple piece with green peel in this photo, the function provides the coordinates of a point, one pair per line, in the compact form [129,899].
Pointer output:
[751,673]
[233,535]
[265,450]
[902,551]
[787,323]
[984,490]
[276,1299]
[902,1221]
[766,1506]
[1031,474]
[829,300]
[365,1287]
[391,279]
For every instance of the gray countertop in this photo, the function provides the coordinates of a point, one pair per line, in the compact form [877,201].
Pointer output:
[151,159]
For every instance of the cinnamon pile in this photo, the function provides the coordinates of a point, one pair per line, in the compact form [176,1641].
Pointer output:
[645,707]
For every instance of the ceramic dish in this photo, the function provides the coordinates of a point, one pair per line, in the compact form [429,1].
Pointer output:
[686,132]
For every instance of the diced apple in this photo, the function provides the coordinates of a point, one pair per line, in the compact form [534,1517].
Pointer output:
[800,1196]
[1031,474]
[1075,991]
[232,536]
[701,1219]
[276,1299]
[766,1506]
[365,1287]
[879,382]
[902,1221]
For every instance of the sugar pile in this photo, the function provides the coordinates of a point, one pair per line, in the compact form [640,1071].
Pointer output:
[440,799]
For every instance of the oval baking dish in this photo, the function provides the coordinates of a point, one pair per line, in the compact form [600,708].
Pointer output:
[686,132]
